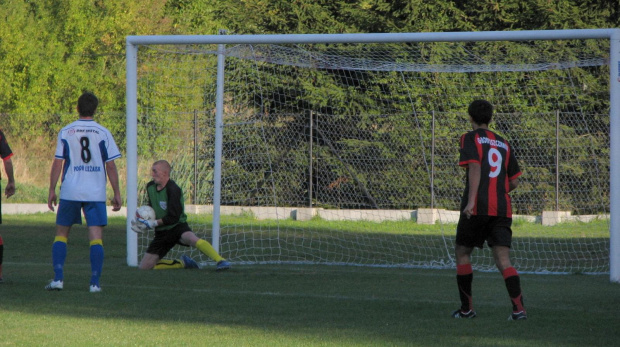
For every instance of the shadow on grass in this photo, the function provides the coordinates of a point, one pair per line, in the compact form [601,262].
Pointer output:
[347,304]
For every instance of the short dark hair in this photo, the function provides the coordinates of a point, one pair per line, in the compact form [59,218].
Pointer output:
[164,164]
[481,111]
[87,104]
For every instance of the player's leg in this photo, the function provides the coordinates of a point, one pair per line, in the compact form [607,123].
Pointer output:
[501,254]
[168,264]
[500,241]
[464,279]
[95,236]
[161,244]
[1,248]
[96,219]
[59,254]
[69,213]
[148,261]
[468,236]
[189,238]
[1,257]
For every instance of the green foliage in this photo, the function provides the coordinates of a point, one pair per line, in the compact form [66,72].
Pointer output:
[53,50]
[50,51]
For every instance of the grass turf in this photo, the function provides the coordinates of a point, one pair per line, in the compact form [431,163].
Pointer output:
[279,305]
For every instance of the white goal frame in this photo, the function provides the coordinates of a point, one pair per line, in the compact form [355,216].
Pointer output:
[133,42]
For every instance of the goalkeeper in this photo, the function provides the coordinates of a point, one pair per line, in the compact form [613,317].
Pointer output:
[170,225]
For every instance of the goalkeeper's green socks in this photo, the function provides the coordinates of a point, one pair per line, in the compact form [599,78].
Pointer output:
[208,250]
[204,246]
[166,264]
[513,284]
[464,278]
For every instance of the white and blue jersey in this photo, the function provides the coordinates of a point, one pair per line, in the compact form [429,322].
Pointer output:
[85,146]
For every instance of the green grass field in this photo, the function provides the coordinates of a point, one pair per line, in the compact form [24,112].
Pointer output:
[279,305]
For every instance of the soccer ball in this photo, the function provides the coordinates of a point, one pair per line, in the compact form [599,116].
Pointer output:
[145,212]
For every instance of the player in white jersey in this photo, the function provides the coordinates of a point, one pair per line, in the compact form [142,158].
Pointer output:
[85,154]
[85,146]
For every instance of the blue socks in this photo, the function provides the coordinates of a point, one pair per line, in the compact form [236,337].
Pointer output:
[59,254]
[96,261]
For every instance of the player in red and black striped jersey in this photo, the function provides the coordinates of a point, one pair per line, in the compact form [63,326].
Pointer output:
[492,172]
[6,154]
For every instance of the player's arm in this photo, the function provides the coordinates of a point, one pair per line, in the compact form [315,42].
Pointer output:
[474,182]
[54,175]
[513,172]
[10,186]
[112,172]
[513,184]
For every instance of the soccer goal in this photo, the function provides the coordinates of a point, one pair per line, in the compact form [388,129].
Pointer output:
[343,148]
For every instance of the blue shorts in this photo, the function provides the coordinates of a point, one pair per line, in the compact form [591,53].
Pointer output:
[70,212]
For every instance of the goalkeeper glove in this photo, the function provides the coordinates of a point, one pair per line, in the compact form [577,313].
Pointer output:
[150,223]
[138,227]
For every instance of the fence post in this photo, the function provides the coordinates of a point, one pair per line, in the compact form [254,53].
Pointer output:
[194,191]
[310,164]
[557,160]
[433,161]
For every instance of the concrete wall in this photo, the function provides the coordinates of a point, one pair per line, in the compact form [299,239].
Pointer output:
[422,215]
[42,208]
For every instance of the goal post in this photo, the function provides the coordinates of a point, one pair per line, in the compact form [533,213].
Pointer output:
[263,181]
[614,135]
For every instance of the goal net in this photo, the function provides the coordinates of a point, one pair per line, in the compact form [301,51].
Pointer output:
[347,153]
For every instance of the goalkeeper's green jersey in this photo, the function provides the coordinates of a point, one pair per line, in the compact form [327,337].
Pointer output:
[168,203]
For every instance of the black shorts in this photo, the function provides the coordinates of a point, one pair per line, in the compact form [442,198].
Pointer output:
[164,240]
[474,231]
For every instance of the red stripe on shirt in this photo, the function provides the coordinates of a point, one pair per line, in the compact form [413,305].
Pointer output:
[479,149]
[507,184]
[492,193]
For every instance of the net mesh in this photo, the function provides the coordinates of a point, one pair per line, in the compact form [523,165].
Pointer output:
[336,153]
